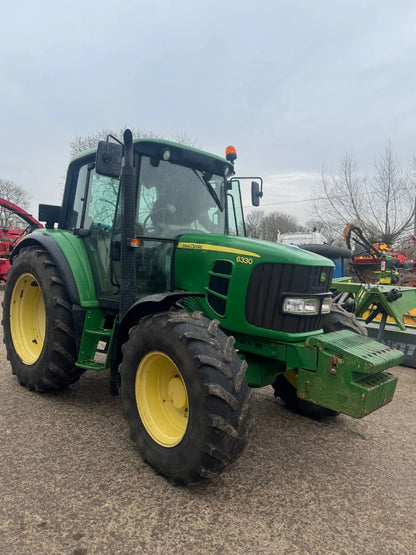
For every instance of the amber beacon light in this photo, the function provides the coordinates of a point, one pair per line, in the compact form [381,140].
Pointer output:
[231,154]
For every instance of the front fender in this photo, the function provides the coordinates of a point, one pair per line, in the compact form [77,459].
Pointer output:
[151,304]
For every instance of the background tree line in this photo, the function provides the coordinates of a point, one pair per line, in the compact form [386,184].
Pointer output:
[79,144]
[382,204]
[268,226]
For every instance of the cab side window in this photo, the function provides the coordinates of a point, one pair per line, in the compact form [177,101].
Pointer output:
[235,210]
[95,199]
[101,201]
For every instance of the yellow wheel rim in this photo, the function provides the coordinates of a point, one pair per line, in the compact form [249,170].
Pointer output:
[27,318]
[162,399]
[292,377]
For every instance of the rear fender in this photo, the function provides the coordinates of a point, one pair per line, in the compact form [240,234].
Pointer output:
[69,255]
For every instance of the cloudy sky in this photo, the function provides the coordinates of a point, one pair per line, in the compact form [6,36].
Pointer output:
[292,84]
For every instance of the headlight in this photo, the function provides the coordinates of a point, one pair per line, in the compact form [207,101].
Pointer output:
[306,305]
[326,305]
[301,305]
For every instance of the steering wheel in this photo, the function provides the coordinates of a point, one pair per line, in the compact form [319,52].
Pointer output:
[148,225]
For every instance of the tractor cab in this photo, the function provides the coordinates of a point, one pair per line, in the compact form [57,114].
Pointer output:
[175,190]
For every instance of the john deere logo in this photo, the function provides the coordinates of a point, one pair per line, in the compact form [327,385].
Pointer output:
[323,277]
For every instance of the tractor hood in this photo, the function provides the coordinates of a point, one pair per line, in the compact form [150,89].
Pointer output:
[258,250]
[244,282]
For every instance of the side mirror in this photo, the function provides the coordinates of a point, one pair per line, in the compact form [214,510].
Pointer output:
[50,214]
[108,160]
[256,193]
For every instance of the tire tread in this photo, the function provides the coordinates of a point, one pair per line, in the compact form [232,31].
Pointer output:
[225,395]
[55,367]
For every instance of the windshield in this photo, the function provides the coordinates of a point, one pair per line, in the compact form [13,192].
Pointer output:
[175,199]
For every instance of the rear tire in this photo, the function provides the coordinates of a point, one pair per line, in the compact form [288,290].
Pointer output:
[285,385]
[184,395]
[38,323]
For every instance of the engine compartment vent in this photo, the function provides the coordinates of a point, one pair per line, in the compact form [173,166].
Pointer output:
[219,283]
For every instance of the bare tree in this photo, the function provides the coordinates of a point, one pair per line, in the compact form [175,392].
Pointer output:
[261,226]
[382,207]
[339,197]
[16,194]
[80,144]
[253,223]
[393,194]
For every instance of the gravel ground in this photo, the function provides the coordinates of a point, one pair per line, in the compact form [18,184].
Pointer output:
[73,483]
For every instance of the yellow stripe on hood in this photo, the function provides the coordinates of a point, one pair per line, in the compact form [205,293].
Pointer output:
[215,248]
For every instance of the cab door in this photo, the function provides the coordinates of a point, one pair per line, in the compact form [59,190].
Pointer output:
[92,218]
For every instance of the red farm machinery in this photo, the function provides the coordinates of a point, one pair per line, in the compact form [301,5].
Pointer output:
[9,236]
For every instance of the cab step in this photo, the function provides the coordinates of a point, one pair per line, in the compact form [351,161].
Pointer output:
[96,342]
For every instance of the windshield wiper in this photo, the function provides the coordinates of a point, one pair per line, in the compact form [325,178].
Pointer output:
[210,189]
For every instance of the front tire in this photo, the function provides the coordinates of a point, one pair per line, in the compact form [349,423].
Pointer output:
[184,395]
[38,323]
[285,385]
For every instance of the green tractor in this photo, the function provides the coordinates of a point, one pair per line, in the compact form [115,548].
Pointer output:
[145,270]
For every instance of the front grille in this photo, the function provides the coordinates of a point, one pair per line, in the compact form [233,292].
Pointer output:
[267,284]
